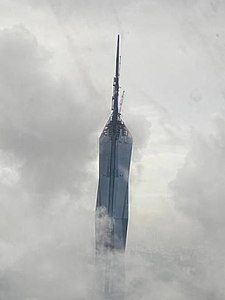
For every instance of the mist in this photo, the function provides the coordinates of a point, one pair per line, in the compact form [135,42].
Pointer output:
[57,64]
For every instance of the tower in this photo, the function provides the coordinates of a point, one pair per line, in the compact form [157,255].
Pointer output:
[115,146]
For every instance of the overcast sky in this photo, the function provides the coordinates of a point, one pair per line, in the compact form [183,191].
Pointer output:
[56,70]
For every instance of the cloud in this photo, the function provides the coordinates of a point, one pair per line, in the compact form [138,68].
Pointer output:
[198,193]
[48,141]
[44,124]
[45,153]
[199,188]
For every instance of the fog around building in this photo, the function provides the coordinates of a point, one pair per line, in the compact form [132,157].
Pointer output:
[57,64]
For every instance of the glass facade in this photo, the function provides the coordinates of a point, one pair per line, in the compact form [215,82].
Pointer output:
[115,146]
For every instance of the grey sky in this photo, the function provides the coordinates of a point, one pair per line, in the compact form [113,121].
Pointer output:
[57,64]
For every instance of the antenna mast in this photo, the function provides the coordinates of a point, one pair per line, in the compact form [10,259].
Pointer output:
[115,96]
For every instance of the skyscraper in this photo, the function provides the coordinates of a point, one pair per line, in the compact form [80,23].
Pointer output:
[115,146]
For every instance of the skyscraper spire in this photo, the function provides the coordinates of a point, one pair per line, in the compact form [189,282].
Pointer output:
[117,56]
[116,82]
